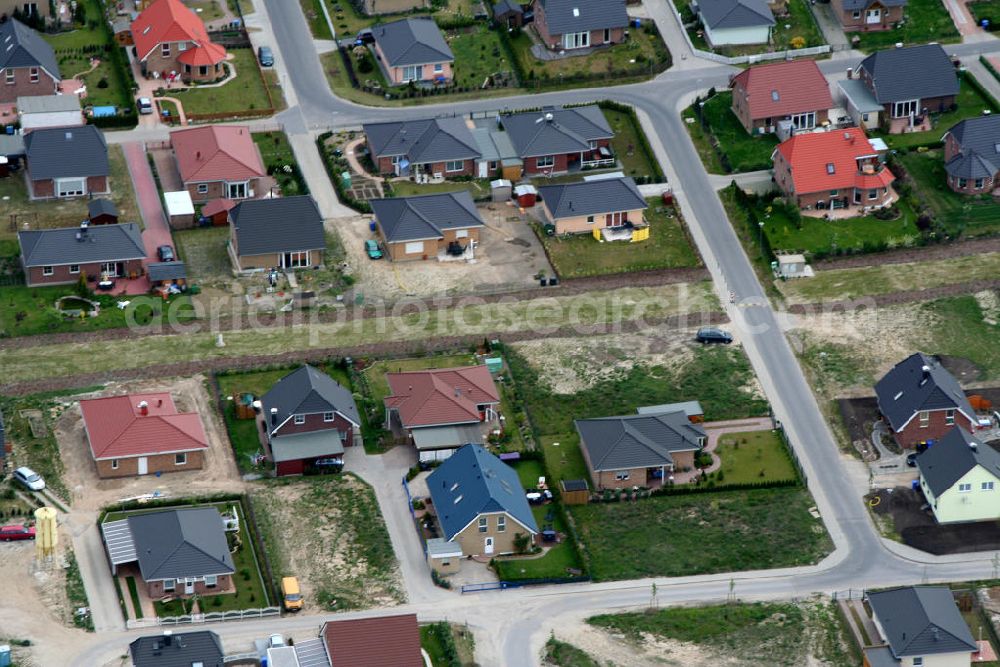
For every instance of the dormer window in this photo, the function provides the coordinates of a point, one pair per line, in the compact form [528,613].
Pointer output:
[300,419]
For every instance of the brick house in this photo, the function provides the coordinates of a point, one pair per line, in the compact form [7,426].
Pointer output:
[171,40]
[285,233]
[972,155]
[383,641]
[413,50]
[60,256]
[142,434]
[28,65]
[436,226]
[579,24]
[218,162]
[202,647]
[840,169]
[920,401]
[796,91]
[555,140]
[66,162]
[609,208]
[432,147]
[868,15]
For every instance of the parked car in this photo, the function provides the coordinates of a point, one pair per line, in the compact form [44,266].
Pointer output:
[29,479]
[372,249]
[291,594]
[145,105]
[16,532]
[911,460]
[713,335]
[165,253]
[265,56]
[364,36]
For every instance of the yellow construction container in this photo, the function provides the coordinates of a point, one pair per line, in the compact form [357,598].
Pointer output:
[46,532]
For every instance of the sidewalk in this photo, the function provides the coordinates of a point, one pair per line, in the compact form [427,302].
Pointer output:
[314,173]
[983,75]
[664,16]
[89,552]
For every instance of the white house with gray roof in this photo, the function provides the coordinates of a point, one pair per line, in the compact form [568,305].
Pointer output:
[611,208]
[918,626]
[960,477]
[731,22]
[435,226]
[413,50]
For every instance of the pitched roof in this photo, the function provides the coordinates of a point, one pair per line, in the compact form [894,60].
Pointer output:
[909,73]
[952,457]
[208,53]
[859,96]
[412,41]
[101,206]
[217,206]
[979,141]
[440,396]
[383,641]
[779,89]
[606,195]
[66,152]
[216,153]
[71,245]
[20,46]
[562,16]
[48,103]
[425,216]
[116,427]
[504,7]
[906,390]
[853,5]
[180,543]
[555,130]
[921,620]
[726,14]
[822,161]
[422,141]
[638,441]
[284,224]
[182,649]
[308,390]
[166,21]
[166,270]
[472,482]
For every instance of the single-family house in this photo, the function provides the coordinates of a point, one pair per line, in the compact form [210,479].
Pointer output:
[286,233]
[306,419]
[177,649]
[140,434]
[218,161]
[171,41]
[579,24]
[383,641]
[497,155]
[734,22]
[179,552]
[868,15]
[794,93]
[37,111]
[28,65]
[960,477]
[921,401]
[909,84]
[61,255]
[413,50]
[479,503]
[972,155]
[840,169]
[102,211]
[918,625]
[639,450]
[441,409]
[508,13]
[437,226]
[65,162]
[438,147]
[609,208]
[555,140]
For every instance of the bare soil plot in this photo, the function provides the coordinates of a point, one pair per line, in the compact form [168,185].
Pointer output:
[901,508]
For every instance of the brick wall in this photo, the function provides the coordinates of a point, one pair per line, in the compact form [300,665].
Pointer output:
[23,86]
[314,423]
[216,190]
[46,189]
[61,274]
[847,19]
[156,591]
[615,36]
[129,467]
[607,479]
[561,164]
[936,427]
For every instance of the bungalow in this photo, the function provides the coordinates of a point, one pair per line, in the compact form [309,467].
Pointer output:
[556,140]
[609,208]
[170,40]
[868,15]
[171,649]
[66,162]
[432,147]
[972,155]
[918,625]
[960,477]
[413,50]
[439,226]
[794,93]
[284,233]
[28,65]
[60,256]
[383,641]
[578,24]
[733,22]
[218,161]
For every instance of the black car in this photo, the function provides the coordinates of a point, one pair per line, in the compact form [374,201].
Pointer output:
[165,253]
[363,37]
[911,460]
[265,56]
[713,335]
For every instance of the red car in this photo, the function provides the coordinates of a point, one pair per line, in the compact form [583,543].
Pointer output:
[17,532]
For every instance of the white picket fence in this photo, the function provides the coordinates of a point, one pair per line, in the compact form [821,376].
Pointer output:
[210,617]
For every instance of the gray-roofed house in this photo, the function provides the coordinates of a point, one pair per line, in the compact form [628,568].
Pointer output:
[579,24]
[433,147]
[66,162]
[728,22]
[497,155]
[480,503]
[972,155]
[555,140]
[38,111]
[868,15]
[638,450]
[919,625]
[910,83]
[413,49]
[28,65]
[921,401]
[960,477]
[609,208]
[306,420]
[60,256]
[436,226]
[285,232]
[179,551]
[177,649]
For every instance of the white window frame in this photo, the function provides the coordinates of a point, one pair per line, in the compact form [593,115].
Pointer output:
[804,121]
[978,183]
[607,35]
[74,268]
[300,419]
[412,72]
[438,68]
[34,75]
[47,271]
[110,268]
[296,260]
[873,16]
[590,219]
[452,166]
[501,523]
[545,161]
[962,182]
[622,475]
[856,14]
[114,464]
[182,46]
[965,487]
[414,247]
[234,188]
[925,418]
[461,233]
[169,585]
[10,78]
[576,40]
[986,486]
[949,416]
[872,194]
[328,416]
[904,108]
[203,188]
[211,580]
[165,49]
[484,524]
[180,459]
[71,187]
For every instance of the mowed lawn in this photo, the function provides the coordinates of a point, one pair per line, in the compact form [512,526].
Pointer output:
[627,145]
[478,55]
[744,152]
[722,531]
[960,215]
[244,93]
[753,457]
[560,560]
[926,21]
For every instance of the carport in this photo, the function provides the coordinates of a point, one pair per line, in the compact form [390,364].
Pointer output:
[312,653]
[439,442]
[119,543]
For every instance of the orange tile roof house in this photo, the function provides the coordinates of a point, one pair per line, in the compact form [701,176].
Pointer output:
[171,39]
[386,641]
[840,169]
[138,434]
[794,91]
[218,161]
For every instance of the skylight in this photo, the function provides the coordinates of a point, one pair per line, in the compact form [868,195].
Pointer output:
[830,169]
[457,500]
[896,397]
[576,13]
[775,96]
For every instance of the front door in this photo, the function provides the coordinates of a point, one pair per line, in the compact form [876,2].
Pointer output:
[873,15]
[488,547]
[189,587]
[143,465]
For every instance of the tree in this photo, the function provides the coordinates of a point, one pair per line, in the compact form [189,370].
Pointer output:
[521,542]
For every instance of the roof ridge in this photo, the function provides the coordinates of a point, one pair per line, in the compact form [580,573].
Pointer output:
[407,204]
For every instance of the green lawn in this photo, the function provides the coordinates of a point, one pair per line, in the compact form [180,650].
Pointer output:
[723,531]
[244,93]
[478,188]
[279,162]
[133,593]
[627,144]
[203,251]
[753,457]
[958,215]
[924,21]
[802,32]
[528,472]
[447,645]
[561,654]
[559,561]
[207,10]
[313,11]
[76,594]
[970,103]
[563,457]
[86,34]
[968,334]
[742,151]
[985,9]
[347,20]
[478,55]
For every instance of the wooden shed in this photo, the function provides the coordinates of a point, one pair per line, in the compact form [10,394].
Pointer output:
[574,491]
[217,211]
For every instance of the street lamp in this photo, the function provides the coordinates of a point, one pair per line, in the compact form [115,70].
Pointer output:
[760,226]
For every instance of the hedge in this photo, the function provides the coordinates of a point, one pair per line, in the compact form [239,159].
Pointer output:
[331,163]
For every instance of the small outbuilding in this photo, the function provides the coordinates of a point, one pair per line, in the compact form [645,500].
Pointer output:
[443,557]
[217,211]
[102,212]
[793,266]
[165,274]
[508,13]
[574,491]
[180,209]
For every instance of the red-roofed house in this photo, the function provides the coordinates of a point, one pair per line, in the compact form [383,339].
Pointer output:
[217,161]
[840,169]
[796,91]
[171,39]
[385,641]
[139,434]
[441,409]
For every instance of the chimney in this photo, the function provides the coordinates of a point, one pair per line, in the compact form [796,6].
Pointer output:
[549,117]
[167,637]
[143,408]
[159,402]
[274,416]
[850,72]
[197,155]
[458,392]
[926,370]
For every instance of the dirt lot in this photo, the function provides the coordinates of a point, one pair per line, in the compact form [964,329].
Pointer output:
[918,529]
[90,493]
